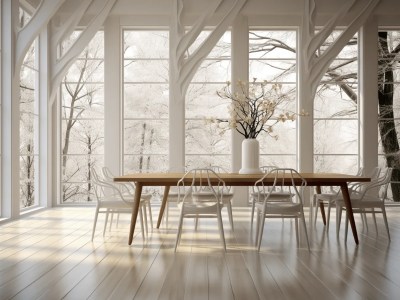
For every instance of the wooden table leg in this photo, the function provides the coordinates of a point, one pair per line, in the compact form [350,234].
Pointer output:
[163,204]
[135,210]
[349,210]
[321,205]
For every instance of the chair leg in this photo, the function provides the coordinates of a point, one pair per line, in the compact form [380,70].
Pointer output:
[221,228]
[105,222]
[338,218]
[346,228]
[151,215]
[145,217]
[253,204]
[303,220]
[261,230]
[374,218]
[141,221]
[230,215]
[316,212]
[111,221]
[296,223]
[328,216]
[96,214]
[386,222]
[179,233]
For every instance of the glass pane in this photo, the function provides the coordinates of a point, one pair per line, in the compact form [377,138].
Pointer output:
[146,71]
[221,49]
[213,71]
[202,138]
[83,71]
[203,102]
[82,101]
[146,137]
[346,164]
[332,102]
[78,193]
[27,180]
[272,44]
[284,140]
[203,161]
[84,137]
[342,71]
[336,137]
[75,168]
[146,101]
[273,70]
[146,44]
[145,163]
[280,161]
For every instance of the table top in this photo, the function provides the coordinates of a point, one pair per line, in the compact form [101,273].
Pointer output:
[236,179]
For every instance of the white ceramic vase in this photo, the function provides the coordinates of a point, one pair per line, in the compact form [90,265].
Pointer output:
[250,157]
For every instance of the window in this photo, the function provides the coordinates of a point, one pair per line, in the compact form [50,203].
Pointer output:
[29,152]
[145,100]
[205,144]
[336,112]
[82,121]
[389,107]
[272,57]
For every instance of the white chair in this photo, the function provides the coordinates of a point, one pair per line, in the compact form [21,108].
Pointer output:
[227,195]
[110,199]
[328,199]
[278,194]
[128,191]
[292,183]
[195,204]
[366,199]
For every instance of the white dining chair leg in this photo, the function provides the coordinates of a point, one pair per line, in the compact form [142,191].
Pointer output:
[374,218]
[316,212]
[253,205]
[230,215]
[261,231]
[111,221]
[221,229]
[196,222]
[338,219]
[179,233]
[105,222]
[96,214]
[257,226]
[386,222]
[328,216]
[296,223]
[145,218]
[150,215]
[346,228]
[303,220]
[141,222]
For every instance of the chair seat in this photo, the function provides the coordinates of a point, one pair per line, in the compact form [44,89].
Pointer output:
[275,196]
[196,208]
[280,208]
[363,203]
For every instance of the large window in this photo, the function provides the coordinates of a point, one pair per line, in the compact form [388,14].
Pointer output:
[272,57]
[145,108]
[389,106]
[29,152]
[336,136]
[206,144]
[82,121]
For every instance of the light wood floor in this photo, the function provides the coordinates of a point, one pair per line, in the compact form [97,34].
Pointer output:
[49,255]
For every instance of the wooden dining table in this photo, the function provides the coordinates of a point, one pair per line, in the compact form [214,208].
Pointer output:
[235,179]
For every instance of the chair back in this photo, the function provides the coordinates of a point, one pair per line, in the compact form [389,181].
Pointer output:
[201,181]
[378,187]
[285,180]
[105,189]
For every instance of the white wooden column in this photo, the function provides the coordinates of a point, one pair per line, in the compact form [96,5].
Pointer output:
[368,104]
[240,70]
[9,112]
[112,95]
